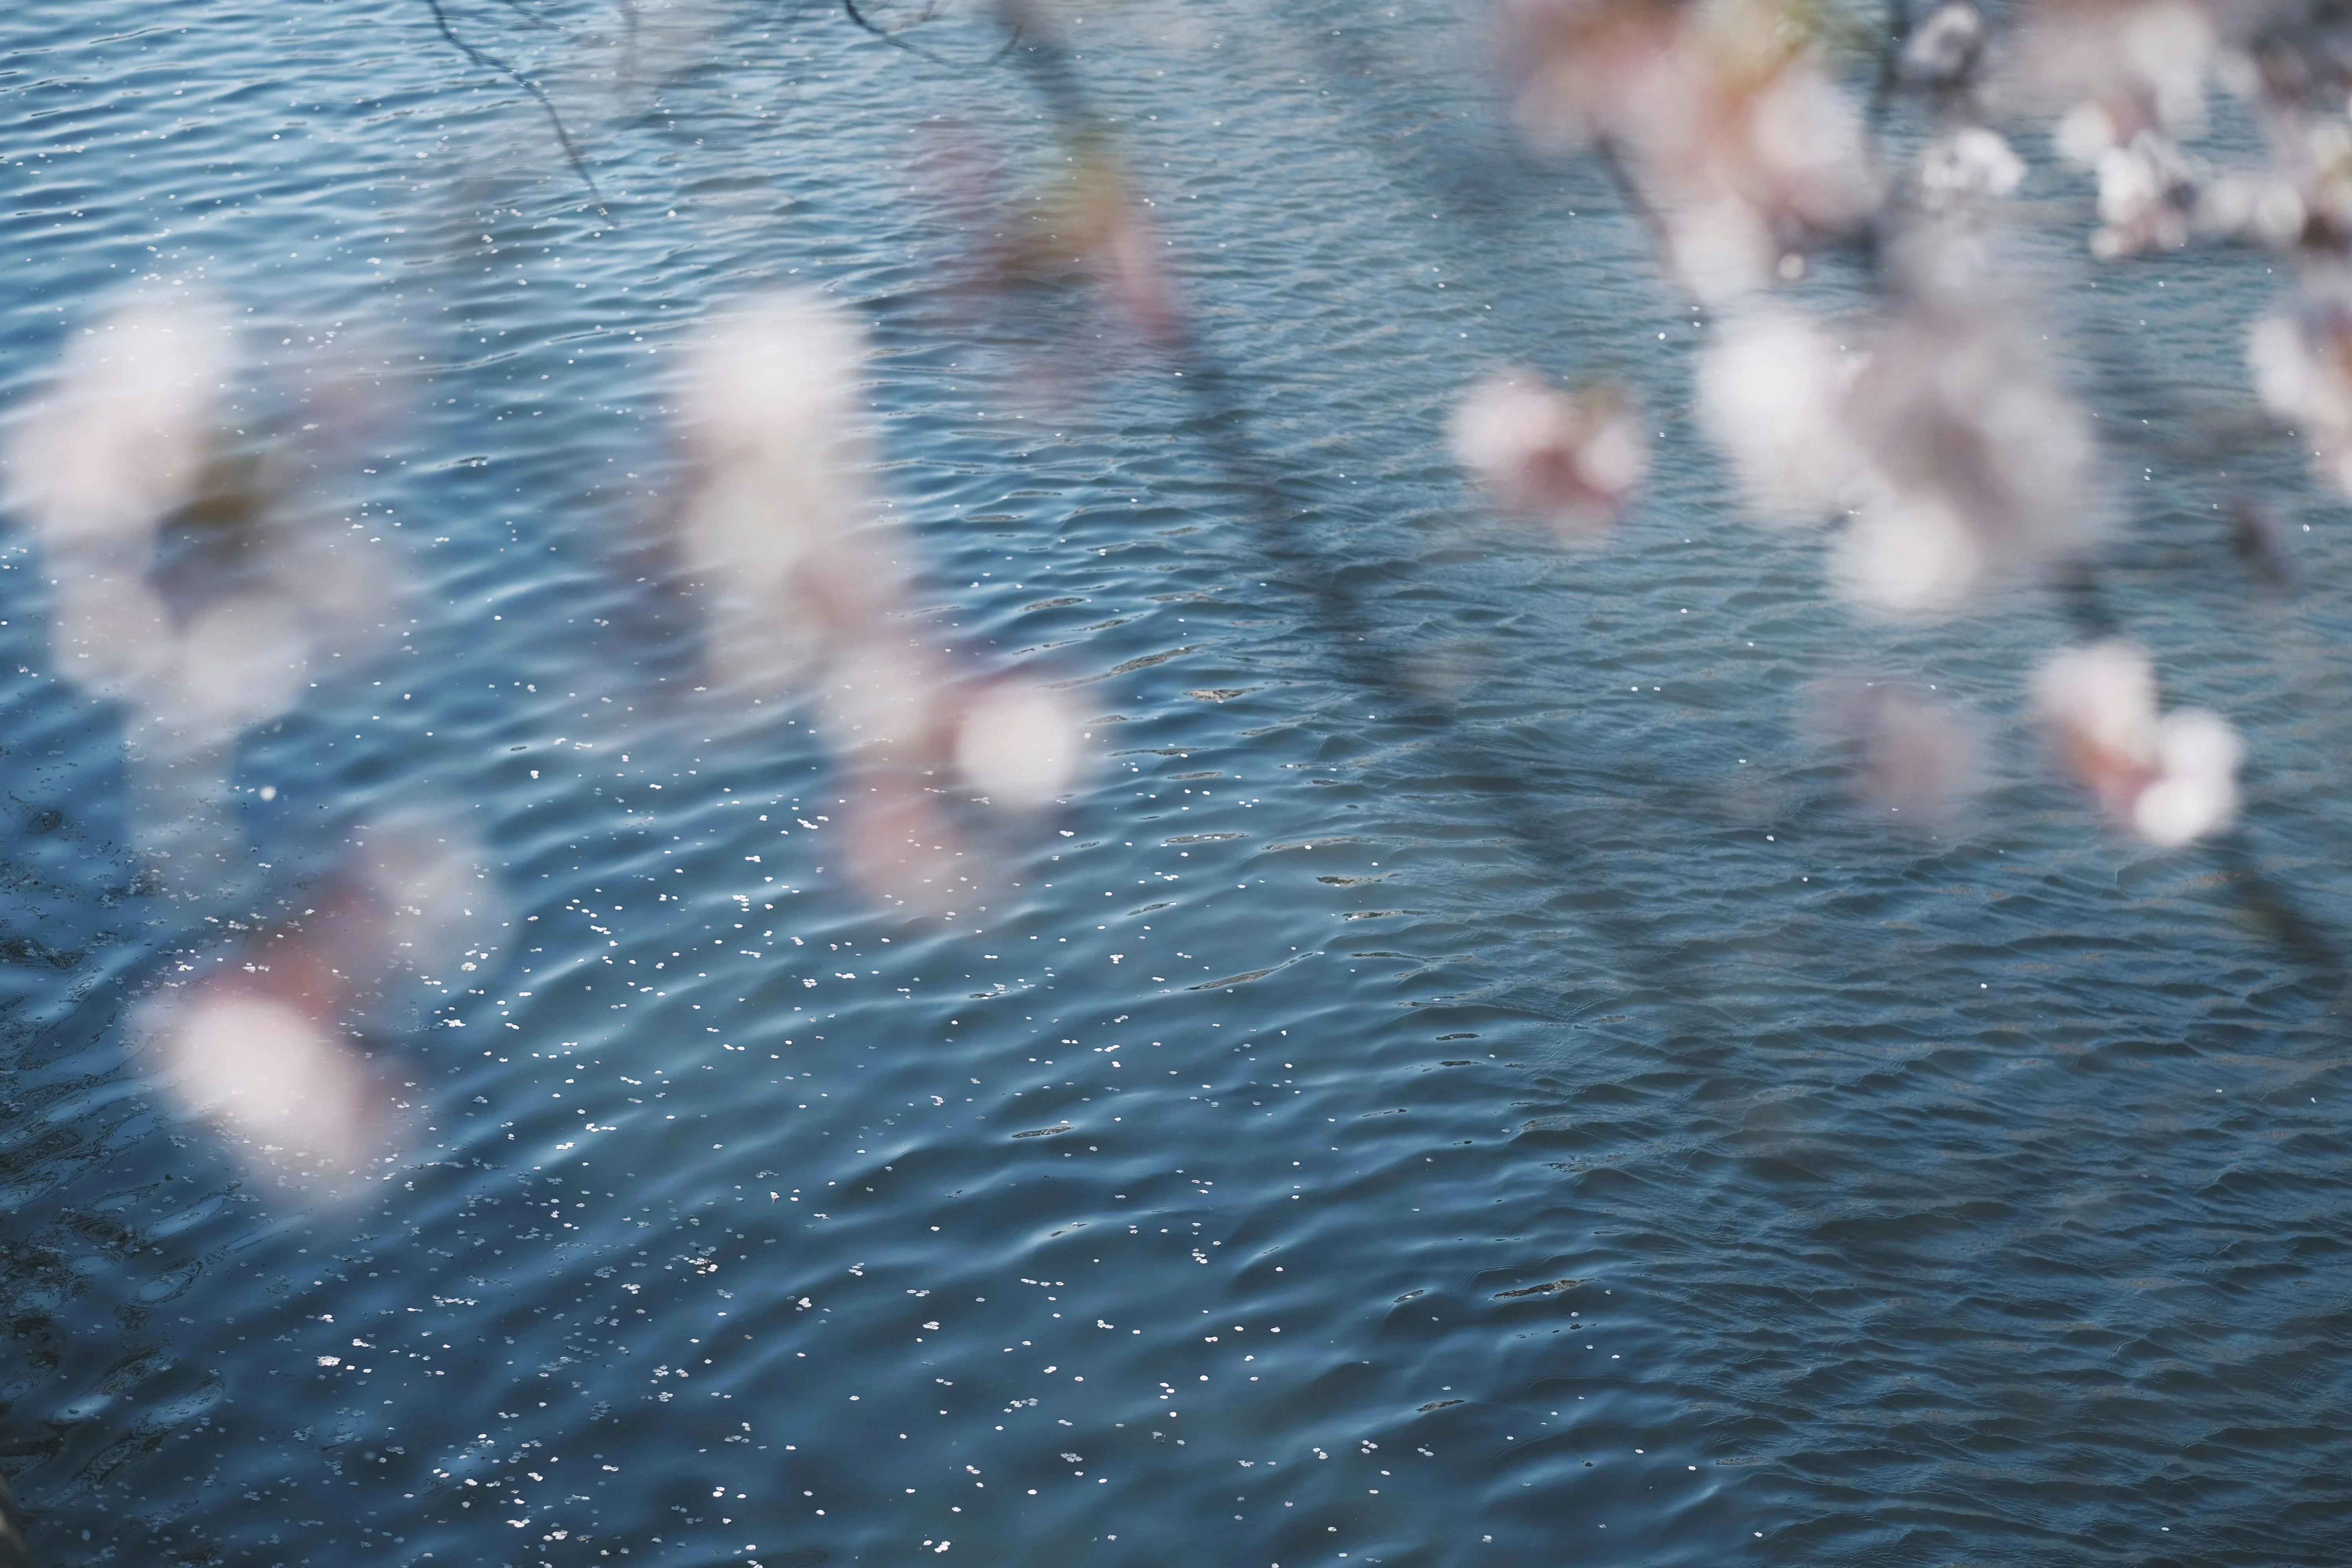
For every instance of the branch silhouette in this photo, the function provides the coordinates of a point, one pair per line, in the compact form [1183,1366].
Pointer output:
[491,62]
[849,8]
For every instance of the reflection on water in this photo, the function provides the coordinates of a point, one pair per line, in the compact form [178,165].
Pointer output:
[770,906]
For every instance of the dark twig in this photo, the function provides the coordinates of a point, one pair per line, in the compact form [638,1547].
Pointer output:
[1890,66]
[489,62]
[2274,912]
[2076,584]
[919,51]
[628,73]
[1637,201]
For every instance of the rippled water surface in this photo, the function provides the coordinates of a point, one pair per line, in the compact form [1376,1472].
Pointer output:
[1533,1121]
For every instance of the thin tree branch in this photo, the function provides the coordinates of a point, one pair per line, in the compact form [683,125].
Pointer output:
[917,50]
[1890,67]
[491,62]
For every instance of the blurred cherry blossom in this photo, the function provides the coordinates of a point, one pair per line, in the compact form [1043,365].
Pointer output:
[2289,63]
[2303,372]
[1018,743]
[1022,250]
[2168,778]
[781,531]
[1722,115]
[2147,191]
[290,1091]
[1944,53]
[1970,164]
[1775,392]
[2131,76]
[1957,459]
[417,915]
[1905,750]
[185,586]
[2120,66]
[915,741]
[2268,210]
[1564,460]
[127,430]
[803,574]
[268,1042]
[1980,464]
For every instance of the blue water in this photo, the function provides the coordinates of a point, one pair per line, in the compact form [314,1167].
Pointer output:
[1490,1101]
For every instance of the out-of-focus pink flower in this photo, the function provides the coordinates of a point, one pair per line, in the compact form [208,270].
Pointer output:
[1906,752]
[887,724]
[2264,210]
[2169,779]
[2293,71]
[416,895]
[110,631]
[2122,67]
[132,437]
[2315,157]
[2303,370]
[1945,47]
[267,1046]
[1954,455]
[2147,192]
[1970,164]
[2133,74]
[241,660]
[1565,460]
[1983,462]
[906,732]
[798,568]
[1577,68]
[1018,743]
[181,587]
[1908,552]
[2196,788]
[124,433]
[775,530]
[1129,257]
[1774,392]
[1745,150]
[1089,225]
[283,1084]
[2098,702]
[775,387]
[902,844]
